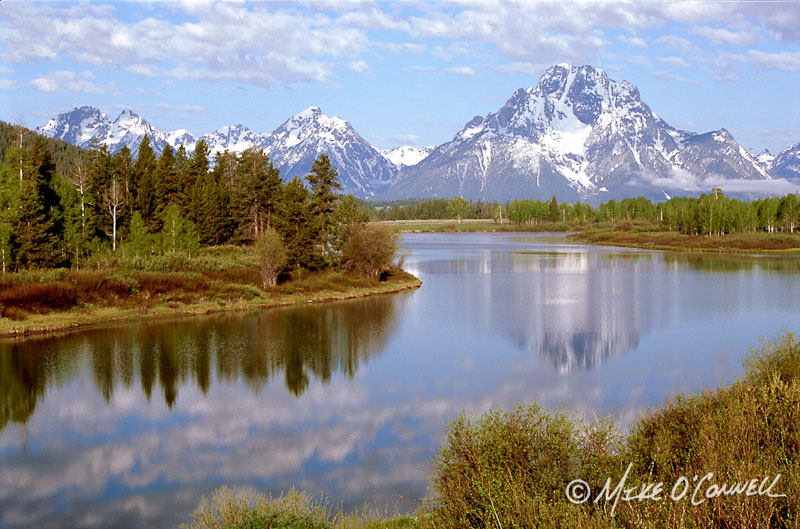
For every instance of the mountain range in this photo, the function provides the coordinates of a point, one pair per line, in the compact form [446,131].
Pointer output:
[577,134]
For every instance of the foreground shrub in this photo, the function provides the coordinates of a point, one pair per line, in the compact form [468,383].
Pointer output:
[511,468]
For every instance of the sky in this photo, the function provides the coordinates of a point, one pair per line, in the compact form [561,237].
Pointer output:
[402,73]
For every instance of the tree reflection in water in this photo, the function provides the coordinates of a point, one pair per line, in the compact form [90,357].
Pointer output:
[301,343]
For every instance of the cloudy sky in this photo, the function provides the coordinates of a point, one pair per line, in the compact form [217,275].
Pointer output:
[400,72]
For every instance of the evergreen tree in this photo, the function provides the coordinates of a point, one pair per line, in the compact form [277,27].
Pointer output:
[294,225]
[144,183]
[35,232]
[168,184]
[323,182]
[554,211]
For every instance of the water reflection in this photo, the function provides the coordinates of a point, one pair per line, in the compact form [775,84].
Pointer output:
[298,344]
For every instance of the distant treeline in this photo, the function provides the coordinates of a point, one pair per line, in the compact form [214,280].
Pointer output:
[115,206]
[709,214]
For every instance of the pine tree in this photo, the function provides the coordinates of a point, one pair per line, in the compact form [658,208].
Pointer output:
[168,184]
[323,181]
[294,225]
[554,211]
[35,233]
[144,183]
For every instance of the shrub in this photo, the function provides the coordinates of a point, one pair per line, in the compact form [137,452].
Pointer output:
[370,249]
[507,466]
[272,257]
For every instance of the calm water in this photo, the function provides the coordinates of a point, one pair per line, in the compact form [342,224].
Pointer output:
[130,426]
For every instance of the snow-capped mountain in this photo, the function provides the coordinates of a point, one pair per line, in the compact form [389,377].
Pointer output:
[233,138]
[182,138]
[82,126]
[294,146]
[406,155]
[581,136]
[765,158]
[787,164]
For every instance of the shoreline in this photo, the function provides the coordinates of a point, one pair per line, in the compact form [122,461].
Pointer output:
[775,244]
[81,319]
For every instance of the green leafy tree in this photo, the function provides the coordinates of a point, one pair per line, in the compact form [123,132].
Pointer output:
[371,249]
[457,207]
[347,213]
[140,242]
[178,235]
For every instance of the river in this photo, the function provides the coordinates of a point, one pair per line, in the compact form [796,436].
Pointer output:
[131,425]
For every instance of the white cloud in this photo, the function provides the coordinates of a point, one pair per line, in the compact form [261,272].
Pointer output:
[398,139]
[786,61]
[259,45]
[666,75]
[677,43]
[461,70]
[640,59]
[633,41]
[8,84]
[66,81]
[358,67]
[725,36]
[524,68]
[675,61]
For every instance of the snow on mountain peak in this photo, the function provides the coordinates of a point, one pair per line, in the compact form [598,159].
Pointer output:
[406,155]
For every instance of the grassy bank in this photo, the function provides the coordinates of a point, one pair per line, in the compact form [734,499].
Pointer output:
[473,226]
[645,235]
[220,279]
[734,451]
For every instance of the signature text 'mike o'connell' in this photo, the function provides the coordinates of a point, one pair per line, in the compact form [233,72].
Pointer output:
[702,488]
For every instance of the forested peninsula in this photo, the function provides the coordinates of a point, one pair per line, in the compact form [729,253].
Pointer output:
[90,236]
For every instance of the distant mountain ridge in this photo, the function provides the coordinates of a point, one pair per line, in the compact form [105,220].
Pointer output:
[292,147]
[577,134]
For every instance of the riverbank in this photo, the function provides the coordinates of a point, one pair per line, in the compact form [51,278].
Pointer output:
[64,301]
[728,457]
[642,235]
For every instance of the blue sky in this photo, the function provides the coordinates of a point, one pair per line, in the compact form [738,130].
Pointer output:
[401,72]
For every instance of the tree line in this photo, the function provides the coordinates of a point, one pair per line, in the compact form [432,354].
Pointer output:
[709,214]
[148,205]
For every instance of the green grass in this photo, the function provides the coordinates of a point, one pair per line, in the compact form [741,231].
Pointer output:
[510,469]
